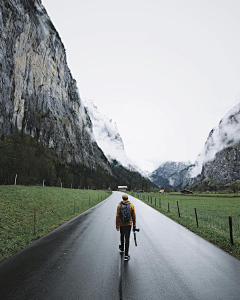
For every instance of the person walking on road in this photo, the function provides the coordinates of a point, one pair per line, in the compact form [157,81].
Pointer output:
[125,218]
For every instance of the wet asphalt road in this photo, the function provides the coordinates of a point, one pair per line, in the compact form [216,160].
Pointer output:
[80,260]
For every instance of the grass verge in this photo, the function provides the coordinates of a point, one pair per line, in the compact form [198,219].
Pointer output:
[27,213]
[212,215]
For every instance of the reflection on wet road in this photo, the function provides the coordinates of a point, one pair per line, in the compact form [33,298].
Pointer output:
[80,260]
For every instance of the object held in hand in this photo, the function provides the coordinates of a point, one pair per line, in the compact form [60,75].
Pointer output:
[135,235]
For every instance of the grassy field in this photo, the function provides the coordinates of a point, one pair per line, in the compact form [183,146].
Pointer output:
[212,212]
[26,213]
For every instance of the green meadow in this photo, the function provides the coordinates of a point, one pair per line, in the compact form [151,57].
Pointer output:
[27,213]
[212,212]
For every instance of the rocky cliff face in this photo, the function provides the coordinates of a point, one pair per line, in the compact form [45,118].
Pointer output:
[225,168]
[219,161]
[38,94]
[225,135]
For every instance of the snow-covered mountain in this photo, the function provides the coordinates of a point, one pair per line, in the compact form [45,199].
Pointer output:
[219,161]
[161,176]
[107,136]
[225,135]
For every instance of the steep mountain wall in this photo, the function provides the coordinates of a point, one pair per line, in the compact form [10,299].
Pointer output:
[219,161]
[225,168]
[225,135]
[38,94]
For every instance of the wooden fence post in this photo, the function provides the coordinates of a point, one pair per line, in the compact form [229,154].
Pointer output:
[15,181]
[196,216]
[178,210]
[230,228]
[34,221]
[168,207]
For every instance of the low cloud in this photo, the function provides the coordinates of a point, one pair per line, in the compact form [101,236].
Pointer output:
[225,135]
[107,135]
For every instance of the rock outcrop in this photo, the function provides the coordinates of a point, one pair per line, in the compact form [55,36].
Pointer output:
[39,96]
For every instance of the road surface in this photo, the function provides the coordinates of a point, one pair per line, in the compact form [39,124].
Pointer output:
[80,260]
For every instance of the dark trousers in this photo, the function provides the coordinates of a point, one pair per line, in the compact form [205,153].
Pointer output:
[125,234]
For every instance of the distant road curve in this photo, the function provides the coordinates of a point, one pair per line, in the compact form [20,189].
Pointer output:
[80,260]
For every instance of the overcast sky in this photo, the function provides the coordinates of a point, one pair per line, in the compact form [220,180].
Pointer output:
[166,71]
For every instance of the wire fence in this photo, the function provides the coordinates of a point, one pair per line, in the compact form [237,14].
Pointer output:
[224,225]
[43,216]
[25,221]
